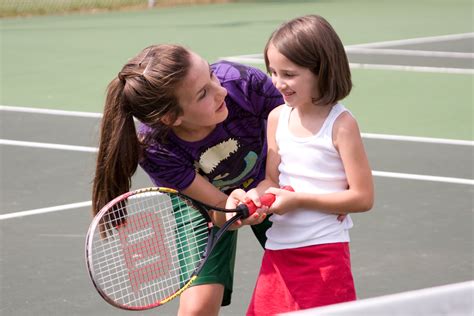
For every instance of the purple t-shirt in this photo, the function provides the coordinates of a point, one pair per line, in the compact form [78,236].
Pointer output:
[233,155]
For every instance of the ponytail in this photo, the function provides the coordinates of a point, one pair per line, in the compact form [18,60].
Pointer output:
[144,89]
[119,149]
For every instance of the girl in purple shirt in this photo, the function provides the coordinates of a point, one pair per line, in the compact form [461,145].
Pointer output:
[202,131]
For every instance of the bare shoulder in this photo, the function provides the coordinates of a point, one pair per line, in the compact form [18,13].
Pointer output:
[275,113]
[273,119]
[345,129]
[345,122]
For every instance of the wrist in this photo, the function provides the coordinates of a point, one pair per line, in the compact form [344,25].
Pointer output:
[298,200]
[305,200]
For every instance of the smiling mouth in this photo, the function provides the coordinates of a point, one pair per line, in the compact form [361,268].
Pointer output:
[221,107]
[287,92]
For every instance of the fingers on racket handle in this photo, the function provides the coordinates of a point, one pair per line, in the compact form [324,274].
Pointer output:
[267,199]
[288,188]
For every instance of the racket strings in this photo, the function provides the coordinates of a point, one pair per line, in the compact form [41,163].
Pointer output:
[154,254]
[110,259]
[116,280]
[182,265]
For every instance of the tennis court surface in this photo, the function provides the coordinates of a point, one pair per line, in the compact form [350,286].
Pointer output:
[412,98]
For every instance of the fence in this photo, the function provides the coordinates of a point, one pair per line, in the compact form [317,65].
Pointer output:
[41,7]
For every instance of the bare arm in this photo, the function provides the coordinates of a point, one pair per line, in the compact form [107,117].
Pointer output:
[273,160]
[359,197]
[202,190]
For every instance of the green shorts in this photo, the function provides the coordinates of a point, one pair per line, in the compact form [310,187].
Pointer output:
[219,267]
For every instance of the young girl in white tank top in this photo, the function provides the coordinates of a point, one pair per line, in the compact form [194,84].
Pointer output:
[314,146]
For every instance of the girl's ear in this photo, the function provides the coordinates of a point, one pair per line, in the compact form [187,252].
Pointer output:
[169,120]
[178,121]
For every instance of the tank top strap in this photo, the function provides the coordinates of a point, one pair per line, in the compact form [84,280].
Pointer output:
[336,110]
[326,129]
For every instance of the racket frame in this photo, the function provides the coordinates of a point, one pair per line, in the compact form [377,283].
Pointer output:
[213,237]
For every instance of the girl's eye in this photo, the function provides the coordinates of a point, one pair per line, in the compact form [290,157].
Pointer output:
[204,91]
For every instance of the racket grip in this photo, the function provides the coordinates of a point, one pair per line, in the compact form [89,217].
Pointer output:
[267,199]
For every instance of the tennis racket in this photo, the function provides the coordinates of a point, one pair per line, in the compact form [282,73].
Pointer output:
[145,247]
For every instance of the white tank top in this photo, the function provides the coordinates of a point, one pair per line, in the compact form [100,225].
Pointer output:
[309,164]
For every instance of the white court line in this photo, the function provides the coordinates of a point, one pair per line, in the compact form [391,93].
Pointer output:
[98,115]
[46,210]
[374,173]
[373,136]
[92,149]
[443,70]
[461,71]
[371,48]
[245,59]
[9,142]
[409,52]
[49,111]
[418,139]
[259,61]
[422,177]
[417,40]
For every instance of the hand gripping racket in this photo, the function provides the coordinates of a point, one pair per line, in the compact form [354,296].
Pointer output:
[145,247]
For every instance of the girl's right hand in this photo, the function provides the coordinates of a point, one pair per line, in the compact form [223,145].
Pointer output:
[252,195]
[285,201]
[237,197]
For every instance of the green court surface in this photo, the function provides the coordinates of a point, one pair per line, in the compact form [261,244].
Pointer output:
[409,103]
[65,62]
[419,233]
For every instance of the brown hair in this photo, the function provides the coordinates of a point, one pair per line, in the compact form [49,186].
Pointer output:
[144,89]
[311,42]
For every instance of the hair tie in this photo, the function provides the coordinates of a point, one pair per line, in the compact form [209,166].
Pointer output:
[121,78]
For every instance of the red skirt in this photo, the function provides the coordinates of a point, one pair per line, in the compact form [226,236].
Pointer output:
[301,278]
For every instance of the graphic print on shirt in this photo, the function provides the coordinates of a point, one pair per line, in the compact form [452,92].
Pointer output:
[227,164]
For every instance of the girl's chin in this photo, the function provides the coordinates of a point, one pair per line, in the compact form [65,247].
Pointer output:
[288,102]
[223,113]
[288,98]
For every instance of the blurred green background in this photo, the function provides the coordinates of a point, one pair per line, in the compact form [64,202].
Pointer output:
[66,61]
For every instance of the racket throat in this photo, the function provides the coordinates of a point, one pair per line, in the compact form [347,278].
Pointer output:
[243,210]
[214,238]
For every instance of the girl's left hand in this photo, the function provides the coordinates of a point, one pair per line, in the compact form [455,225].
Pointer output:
[285,201]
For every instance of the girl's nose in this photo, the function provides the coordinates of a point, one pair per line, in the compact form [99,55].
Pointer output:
[222,92]
[279,84]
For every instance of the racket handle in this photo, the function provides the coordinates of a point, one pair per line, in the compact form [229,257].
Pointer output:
[267,199]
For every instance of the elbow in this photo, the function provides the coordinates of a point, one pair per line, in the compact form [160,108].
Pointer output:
[366,206]
[365,203]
